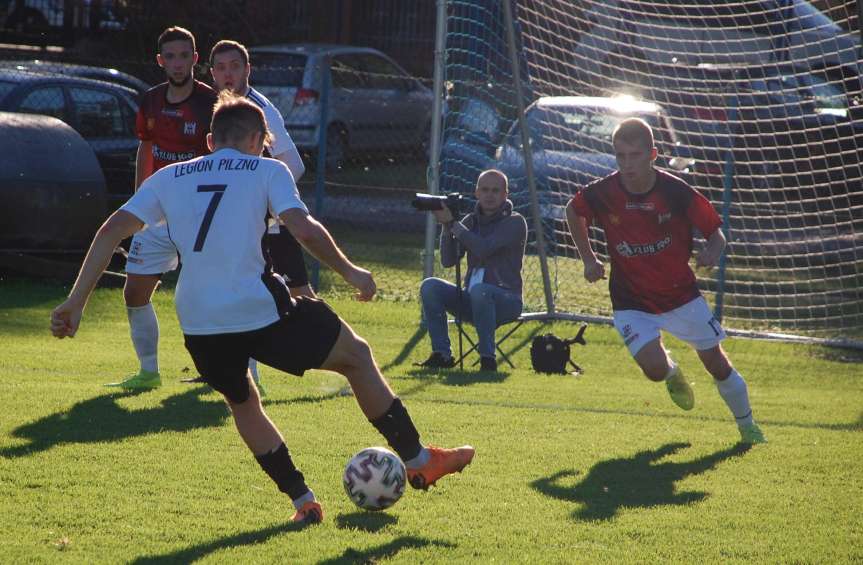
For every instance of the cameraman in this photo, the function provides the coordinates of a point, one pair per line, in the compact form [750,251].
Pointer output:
[494,237]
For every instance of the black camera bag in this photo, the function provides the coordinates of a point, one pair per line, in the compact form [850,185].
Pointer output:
[550,354]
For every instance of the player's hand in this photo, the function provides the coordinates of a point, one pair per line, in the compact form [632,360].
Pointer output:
[594,270]
[444,215]
[708,257]
[65,320]
[363,281]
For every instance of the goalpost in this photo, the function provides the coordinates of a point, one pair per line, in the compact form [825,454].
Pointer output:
[756,103]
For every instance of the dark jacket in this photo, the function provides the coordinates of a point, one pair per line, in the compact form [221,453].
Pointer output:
[495,243]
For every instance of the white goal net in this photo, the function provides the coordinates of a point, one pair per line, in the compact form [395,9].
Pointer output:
[757,103]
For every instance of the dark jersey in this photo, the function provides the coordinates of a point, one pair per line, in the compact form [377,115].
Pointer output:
[649,239]
[178,132]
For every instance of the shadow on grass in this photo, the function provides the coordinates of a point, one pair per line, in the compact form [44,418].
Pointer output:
[101,419]
[455,377]
[406,350]
[385,551]
[365,521]
[633,482]
[196,552]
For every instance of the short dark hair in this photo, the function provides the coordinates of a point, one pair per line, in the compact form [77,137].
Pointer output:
[176,33]
[633,130]
[226,45]
[235,118]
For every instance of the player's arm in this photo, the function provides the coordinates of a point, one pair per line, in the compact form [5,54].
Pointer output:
[593,267]
[294,162]
[66,317]
[143,162]
[317,240]
[712,251]
[284,149]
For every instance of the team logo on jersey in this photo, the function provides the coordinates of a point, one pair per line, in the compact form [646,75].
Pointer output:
[613,219]
[189,128]
[646,206]
[151,123]
[664,217]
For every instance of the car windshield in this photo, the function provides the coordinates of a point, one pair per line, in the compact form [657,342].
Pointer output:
[5,88]
[577,128]
[277,69]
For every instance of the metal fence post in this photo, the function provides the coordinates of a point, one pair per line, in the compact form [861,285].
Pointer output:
[321,172]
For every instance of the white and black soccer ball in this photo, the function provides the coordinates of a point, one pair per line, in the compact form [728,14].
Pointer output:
[375,478]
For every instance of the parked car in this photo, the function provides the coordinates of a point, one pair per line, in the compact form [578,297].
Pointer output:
[711,31]
[777,121]
[35,16]
[473,134]
[374,103]
[75,70]
[102,113]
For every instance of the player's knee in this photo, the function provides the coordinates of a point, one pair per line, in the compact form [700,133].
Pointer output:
[716,363]
[655,373]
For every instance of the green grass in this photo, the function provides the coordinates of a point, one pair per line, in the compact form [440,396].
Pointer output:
[600,468]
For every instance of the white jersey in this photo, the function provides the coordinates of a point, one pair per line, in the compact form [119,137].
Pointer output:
[282,144]
[215,208]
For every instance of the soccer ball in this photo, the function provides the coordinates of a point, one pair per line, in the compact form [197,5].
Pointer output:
[375,478]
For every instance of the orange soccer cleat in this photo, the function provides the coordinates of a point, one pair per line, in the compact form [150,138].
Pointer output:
[310,513]
[441,462]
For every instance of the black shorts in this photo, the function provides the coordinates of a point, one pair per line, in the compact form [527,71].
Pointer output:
[286,255]
[298,342]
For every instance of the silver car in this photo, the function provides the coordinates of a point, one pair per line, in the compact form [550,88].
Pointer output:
[373,103]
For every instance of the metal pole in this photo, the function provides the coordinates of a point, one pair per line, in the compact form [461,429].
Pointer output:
[433,176]
[528,154]
[727,189]
[321,173]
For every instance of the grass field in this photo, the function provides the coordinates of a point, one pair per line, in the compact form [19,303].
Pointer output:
[599,468]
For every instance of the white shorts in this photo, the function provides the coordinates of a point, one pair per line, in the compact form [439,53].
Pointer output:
[152,252]
[693,323]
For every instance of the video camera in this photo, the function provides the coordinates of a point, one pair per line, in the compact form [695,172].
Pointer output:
[430,202]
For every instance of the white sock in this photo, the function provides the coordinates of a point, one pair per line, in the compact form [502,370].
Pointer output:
[735,394]
[253,368]
[419,460]
[308,497]
[145,335]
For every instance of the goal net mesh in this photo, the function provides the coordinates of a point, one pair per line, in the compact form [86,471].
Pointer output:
[756,103]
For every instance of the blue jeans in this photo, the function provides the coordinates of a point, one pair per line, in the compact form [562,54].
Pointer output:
[485,306]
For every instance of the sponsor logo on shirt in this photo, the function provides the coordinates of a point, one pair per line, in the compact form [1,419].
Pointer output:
[634,249]
[664,217]
[189,128]
[173,112]
[646,206]
[162,155]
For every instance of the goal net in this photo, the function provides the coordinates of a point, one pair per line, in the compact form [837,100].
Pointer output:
[756,103]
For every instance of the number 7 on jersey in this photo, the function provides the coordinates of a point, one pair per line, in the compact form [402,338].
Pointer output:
[218,191]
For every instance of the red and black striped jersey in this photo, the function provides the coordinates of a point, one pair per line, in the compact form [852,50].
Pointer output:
[178,131]
[649,238]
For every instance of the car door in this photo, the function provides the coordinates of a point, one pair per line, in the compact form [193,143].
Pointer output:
[352,102]
[105,119]
[400,111]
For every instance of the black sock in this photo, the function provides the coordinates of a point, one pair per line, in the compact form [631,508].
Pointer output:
[398,429]
[279,466]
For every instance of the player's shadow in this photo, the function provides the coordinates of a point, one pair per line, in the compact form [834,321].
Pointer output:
[197,552]
[409,346]
[366,521]
[102,419]
[384,551]
[632,482]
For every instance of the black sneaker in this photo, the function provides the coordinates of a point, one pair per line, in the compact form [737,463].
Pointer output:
[487,364]
[437,361]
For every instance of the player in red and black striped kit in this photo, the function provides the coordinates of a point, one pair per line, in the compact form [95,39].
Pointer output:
[648,218]
[172,123]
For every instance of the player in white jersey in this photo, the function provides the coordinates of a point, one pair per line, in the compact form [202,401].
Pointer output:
[231,306]
[230,68]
